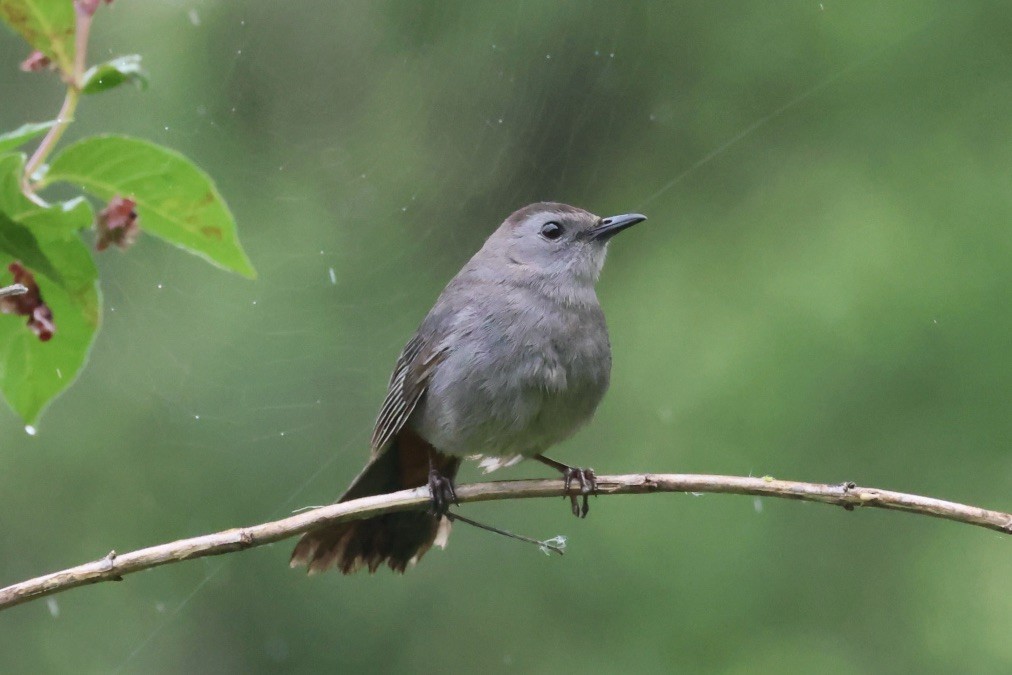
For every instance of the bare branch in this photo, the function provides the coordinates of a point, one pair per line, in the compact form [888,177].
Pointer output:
[113,567]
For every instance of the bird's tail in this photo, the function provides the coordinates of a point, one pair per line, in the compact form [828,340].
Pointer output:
[396,539]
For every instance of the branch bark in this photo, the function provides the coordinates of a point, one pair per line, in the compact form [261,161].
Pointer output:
[114,566]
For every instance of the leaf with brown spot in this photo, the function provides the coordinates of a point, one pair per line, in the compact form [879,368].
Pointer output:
[174,199]
[46,26]
[45,241]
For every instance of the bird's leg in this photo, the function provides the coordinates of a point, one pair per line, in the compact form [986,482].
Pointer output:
[585,477]
[441,489]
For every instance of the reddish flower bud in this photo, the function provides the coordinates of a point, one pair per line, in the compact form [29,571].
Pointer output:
[42,323]
[30,304]
[117,224]
[35,62]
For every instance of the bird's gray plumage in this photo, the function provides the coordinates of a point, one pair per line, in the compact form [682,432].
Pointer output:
[512,358]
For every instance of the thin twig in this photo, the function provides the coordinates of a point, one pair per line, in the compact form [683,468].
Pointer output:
[74,83]
[82,31]
[848,495]
[63,120]
[547,544]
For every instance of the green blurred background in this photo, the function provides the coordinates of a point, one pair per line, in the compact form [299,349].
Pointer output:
[822,293]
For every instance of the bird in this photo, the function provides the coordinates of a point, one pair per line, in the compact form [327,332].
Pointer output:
[513,358]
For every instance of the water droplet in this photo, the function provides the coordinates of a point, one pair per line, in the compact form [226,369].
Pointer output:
[194,17]
[160,287]
[196,417]
[54,607]
[30,430]
[333,276]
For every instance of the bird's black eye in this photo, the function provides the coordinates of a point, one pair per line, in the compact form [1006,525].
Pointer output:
[551,230]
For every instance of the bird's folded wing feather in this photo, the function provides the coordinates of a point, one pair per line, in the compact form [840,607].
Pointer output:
[407,384]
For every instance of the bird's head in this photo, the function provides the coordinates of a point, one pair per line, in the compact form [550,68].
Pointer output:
[550,242]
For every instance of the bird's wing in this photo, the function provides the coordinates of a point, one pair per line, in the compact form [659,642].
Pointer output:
[407,384]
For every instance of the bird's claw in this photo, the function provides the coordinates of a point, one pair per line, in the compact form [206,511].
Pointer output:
[442,492]
[588,484]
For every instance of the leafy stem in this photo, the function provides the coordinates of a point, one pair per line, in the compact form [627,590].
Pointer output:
[140,184]
[82,29]
[63,120]
[74,80]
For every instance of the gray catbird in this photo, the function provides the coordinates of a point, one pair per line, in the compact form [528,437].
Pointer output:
[513,358]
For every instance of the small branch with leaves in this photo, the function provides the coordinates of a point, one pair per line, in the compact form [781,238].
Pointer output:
[141,187]
[113,567]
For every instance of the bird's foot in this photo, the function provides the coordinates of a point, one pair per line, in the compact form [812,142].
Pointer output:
[588,485]
[585,477]
[443,494]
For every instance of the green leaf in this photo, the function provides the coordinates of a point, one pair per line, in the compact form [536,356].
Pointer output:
[23,134]
[46,240]
[114,73]
[47,25]
[175,200]
[32,372]
[18,242]
[18,207]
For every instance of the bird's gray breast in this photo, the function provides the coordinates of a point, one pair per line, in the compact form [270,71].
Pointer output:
[521,372]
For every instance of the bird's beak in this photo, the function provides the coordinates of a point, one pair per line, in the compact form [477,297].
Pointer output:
[609,227]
